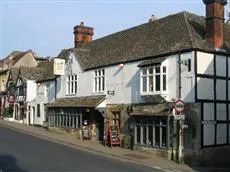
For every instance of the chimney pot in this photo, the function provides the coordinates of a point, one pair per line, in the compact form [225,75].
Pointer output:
[82,35]
[153,18]
[215,22]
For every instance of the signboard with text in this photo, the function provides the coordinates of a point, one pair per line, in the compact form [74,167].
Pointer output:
[59,66]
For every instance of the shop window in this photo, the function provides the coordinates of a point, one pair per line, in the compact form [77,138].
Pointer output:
[144,134]
[138,134]
[150,136]
[157,136]
[151,132]
[164,136]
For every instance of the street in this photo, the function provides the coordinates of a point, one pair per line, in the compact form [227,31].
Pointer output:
[23,153]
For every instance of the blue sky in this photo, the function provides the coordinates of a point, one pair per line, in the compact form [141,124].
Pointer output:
[46,27]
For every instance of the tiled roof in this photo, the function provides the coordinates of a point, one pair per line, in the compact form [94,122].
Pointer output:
[44,71]
[160,109]
[14,74]
[151,61]
[13,55]
[174,33]
[90,101]
[64,54]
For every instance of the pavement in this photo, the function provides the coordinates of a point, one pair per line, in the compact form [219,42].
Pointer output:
[125,155]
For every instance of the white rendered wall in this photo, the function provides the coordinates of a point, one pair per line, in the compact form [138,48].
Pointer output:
[124,80]
[205,63]
[43,97]
[31,90]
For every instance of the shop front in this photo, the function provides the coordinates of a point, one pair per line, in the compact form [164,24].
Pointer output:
[150,126]
[77,114]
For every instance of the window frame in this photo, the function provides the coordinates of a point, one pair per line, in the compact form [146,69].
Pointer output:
[99,81]
[38,110]
[163,74]
[71,84]
[141,138]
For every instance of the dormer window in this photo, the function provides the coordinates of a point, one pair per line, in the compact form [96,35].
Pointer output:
[153,79]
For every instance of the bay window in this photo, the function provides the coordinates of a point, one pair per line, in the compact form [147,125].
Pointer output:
[154,79]
[99,80]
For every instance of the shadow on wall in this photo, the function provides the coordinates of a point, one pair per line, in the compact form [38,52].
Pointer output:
[9,163]
[135,88]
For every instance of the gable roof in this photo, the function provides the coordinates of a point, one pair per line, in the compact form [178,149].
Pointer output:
[174,33]
[43,72]
[12,55]
[13,76]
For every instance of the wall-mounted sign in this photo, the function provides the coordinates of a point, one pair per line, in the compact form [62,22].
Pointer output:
[59,66]
[179,106]
[179,117]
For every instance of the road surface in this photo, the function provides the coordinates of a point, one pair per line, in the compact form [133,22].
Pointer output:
[24,153]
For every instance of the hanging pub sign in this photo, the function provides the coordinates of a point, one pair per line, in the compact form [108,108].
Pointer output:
[11,99]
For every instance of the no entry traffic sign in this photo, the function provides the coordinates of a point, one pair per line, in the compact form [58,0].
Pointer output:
[179,106]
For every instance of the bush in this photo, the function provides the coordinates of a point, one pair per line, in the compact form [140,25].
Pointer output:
[8,112]
[127,142]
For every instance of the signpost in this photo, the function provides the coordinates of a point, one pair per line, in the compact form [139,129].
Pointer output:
[179,107]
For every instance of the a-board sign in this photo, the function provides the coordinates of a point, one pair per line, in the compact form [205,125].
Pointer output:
[85,133]
[114,135]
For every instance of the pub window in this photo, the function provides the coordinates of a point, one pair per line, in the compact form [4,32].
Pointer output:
[38,110]
[138,134]
[154,134]
[71,84]
[99,80]
[153,79]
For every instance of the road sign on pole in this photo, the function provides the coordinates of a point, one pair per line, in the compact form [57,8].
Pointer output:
[179,106]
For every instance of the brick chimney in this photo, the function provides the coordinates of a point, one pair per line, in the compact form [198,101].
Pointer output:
[82,35]
[215,22]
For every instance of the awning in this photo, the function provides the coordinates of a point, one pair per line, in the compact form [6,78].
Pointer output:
[151,62]
[89,101]
[160,109]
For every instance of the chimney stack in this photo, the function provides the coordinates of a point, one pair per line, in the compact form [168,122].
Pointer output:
[153,18]
[82,35]
[215,22]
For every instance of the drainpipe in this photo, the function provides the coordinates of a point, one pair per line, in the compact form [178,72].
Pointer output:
[180,122]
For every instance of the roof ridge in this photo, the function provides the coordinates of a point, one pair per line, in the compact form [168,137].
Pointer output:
[189,32]
[133,27]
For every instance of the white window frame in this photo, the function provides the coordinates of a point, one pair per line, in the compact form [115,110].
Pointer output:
[71,84]
[99,81]
[153,75]
[47,89]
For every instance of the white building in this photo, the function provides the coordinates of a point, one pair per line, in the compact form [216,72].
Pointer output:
[134,76]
